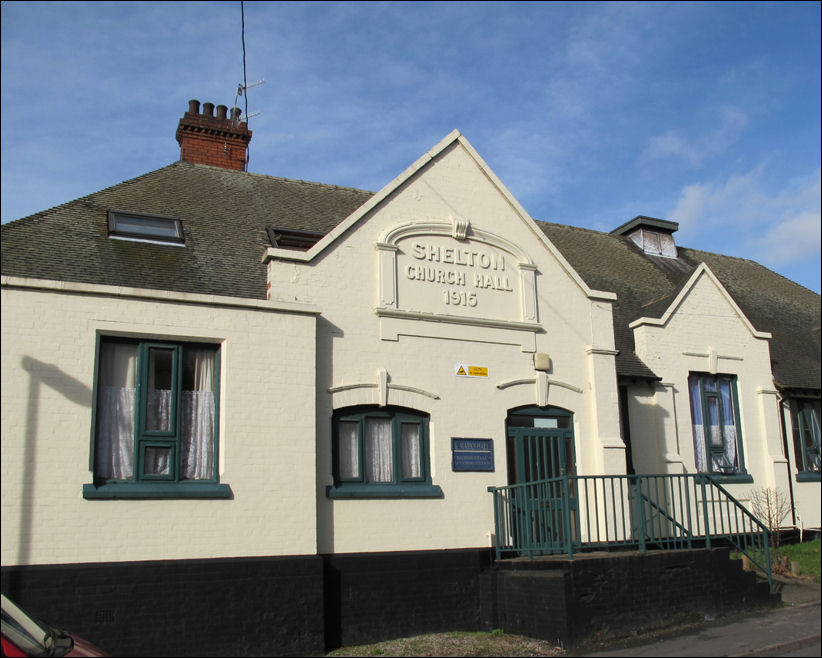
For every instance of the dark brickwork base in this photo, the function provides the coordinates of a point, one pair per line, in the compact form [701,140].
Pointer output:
[221,607]
[372,597]
[611,595]
[307,605]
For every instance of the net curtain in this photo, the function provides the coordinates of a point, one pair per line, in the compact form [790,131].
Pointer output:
[723,434]
[379,450]
[116,414]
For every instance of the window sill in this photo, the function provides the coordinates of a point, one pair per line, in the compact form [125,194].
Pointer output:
[158,490]
[736,478]
[808,477]
[370,491]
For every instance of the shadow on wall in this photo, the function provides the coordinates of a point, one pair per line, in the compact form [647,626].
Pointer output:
[49,376]
[327,333]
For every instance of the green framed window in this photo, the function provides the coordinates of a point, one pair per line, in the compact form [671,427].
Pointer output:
[155,420]
[805,416]
[715,421]
[381,452]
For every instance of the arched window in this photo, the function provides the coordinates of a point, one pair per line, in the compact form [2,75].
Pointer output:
[381,452]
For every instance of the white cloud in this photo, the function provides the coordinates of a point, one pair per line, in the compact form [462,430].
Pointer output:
[793,239]
[671,144]
[732,123]
[691,206]
[745,218]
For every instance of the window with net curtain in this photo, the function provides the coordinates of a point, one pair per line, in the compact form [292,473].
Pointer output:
[381,450]
[805,416]
[156,412]
[715,424]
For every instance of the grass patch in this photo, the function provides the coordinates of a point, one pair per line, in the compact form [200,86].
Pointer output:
[807,554]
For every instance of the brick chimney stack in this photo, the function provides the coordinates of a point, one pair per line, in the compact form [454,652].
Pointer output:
[219,141]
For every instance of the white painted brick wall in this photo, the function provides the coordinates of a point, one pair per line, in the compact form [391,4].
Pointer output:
[705,322]
[266,433]
[351,352]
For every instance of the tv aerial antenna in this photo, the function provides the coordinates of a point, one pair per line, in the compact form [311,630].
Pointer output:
[242,90]
[243,87]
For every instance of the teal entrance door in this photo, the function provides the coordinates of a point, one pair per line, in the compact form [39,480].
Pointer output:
[540,450]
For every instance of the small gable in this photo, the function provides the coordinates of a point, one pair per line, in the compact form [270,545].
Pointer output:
[702,301]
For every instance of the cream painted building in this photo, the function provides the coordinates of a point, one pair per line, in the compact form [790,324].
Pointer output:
[267,388]
[432,295]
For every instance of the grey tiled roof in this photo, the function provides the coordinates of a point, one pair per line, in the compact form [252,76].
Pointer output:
[646,286]
[225,214]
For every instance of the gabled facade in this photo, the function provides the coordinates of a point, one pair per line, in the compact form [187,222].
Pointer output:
[676,346]
[220,387]
[430,287]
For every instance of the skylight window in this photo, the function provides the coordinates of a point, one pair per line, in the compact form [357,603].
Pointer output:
[149,228]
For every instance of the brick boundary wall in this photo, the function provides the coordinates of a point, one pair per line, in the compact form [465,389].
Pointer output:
[616,595]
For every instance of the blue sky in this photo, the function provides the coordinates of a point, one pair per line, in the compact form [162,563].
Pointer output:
[707,114]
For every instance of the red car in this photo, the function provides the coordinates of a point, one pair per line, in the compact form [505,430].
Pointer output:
[25,636]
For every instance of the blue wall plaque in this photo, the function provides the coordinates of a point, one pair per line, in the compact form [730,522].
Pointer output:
[472,454]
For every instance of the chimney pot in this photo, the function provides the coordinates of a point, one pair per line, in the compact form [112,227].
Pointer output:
[215,141]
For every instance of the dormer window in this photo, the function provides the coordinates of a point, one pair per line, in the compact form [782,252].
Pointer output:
[290,238]
[654,243]
[145,228]
[654,236]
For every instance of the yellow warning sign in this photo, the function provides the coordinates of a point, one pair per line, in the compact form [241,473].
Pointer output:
[463,370]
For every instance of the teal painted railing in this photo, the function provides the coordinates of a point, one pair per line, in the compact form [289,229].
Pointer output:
[573,513]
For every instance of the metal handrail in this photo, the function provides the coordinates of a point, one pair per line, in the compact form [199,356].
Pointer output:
[573,513]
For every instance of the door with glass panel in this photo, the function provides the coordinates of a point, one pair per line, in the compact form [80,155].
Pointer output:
[540,450]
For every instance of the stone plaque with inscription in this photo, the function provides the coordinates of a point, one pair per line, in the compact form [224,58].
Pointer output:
[432,269]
